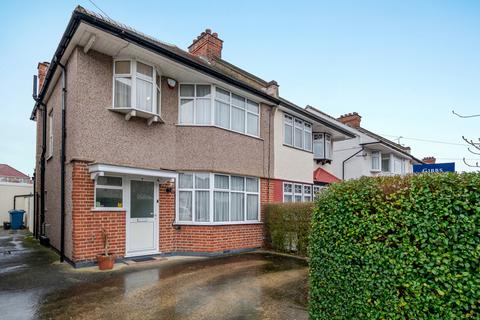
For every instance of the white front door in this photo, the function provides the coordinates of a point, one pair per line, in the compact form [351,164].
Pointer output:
[142,218]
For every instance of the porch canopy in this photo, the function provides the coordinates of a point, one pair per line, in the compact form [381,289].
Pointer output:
[99,169]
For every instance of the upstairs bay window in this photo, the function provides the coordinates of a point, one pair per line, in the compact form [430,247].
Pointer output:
[218,198]
[387,163]
[135,86]
[210,105]
[322,146]
[297,133]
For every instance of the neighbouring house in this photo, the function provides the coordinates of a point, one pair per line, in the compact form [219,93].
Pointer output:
[16,191]
[168,151]
[368,154]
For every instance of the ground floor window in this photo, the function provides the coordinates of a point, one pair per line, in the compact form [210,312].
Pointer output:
[108,192]
[218,198]
[297,192]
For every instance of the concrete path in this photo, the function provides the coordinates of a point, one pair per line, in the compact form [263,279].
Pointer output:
[246,286]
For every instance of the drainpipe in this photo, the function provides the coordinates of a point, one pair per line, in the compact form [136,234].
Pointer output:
[343,163]
[62,165]
[35,204]
[20,196]
[42,168]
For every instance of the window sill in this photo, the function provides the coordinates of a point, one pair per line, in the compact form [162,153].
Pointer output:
[178,223]
[299,149]
[134,112]
[108,209]
[218,127]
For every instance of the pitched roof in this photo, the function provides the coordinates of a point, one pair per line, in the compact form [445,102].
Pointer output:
[7,171]
[321,175]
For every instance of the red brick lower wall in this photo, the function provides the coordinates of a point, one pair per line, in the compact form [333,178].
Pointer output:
[88,224]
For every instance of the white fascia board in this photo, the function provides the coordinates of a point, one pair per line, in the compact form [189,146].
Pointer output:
[107,168]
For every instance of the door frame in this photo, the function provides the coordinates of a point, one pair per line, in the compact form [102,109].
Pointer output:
[156,213]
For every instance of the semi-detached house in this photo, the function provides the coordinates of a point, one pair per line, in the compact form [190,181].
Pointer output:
[168,151]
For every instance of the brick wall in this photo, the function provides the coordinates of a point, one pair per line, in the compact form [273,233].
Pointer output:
[87,225]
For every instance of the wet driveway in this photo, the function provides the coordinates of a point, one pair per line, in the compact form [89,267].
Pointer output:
[245,286]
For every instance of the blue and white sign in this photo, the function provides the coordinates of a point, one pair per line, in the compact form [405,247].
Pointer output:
[435,167]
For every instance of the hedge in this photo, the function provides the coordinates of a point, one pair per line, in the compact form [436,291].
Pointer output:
[397,248]
[288,226]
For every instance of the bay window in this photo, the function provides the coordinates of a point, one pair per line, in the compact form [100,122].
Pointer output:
[108,192]
[135,86]
[387,163]
[218,198]
[322,146]
[297,133]
[222,108]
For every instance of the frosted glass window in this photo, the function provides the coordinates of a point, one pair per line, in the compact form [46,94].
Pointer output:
[141,199]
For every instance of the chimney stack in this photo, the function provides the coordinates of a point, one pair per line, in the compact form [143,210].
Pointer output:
[351,119]
[272,88]
[42,69]
[207,45]
[429,160]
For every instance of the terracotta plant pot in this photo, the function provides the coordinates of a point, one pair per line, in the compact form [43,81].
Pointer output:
[105,262]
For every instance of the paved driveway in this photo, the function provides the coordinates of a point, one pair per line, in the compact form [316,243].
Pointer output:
[245,286]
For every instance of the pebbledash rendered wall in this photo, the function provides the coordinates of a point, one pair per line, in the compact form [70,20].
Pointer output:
[87,224]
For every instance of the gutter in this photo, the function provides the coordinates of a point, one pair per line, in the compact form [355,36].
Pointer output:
[78,17]
[344,161]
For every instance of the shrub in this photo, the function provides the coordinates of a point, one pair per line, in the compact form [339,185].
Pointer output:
[288,226]
[397,248]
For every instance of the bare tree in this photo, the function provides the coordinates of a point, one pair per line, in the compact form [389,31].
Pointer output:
[474,147]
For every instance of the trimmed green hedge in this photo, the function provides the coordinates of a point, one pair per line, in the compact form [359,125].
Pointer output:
[397,248]
[288,226]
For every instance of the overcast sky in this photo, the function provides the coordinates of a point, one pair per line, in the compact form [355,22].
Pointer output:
[402,65]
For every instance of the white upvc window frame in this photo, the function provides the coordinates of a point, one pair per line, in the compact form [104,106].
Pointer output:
[317,189]
[326,144]
[304,196]
[212,190]
[50,134]
[296,123]
[133,75]
[213,98]
[376,154]
[122,208]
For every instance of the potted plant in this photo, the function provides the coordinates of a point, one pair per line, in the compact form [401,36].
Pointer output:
[105,260]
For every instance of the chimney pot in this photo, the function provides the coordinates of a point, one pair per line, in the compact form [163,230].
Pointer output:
[207,45]
[351,119]
[429,160]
